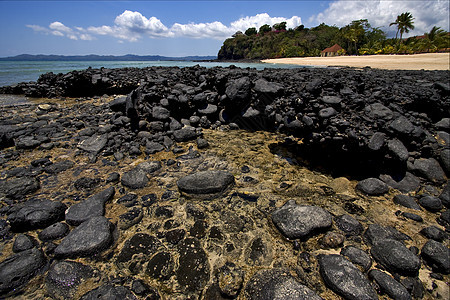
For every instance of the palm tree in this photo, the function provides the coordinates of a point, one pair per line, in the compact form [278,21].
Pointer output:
[435,39]
[404,23]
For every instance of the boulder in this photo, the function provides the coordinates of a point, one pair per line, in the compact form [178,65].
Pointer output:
[437,256]
[64,278]
[88,239]
[277,284]
[206,182]
[135,178]
[372,186]
[389,285]
[297,221]
[18,188]
[344,278]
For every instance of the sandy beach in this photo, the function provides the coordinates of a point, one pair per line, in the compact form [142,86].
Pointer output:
[427,61]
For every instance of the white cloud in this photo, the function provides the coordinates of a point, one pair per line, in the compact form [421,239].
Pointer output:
[381,13]
[59,29]
[132,25]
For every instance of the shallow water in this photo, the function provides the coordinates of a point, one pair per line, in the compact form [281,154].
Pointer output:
[242,214]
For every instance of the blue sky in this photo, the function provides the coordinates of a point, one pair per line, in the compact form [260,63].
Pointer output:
[180,28]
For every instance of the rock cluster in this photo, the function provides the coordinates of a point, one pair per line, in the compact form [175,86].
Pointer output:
[136,189]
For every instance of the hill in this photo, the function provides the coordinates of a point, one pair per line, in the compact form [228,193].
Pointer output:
[93,57]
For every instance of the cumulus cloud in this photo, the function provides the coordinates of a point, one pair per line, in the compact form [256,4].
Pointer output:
[132,25]
[381,13]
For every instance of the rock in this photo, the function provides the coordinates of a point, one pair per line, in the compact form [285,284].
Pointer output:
[377,232]
[402,126]
[297,221]
[372,186]
[135,178]
[344,278]
[277,284]
[409,183]
[64,278]
[27,142]
[443,124]
[389,285]
[18,188]
[434,233]
[160,113]
[59,166]
[238,91]
[202,143]
[445,159]
[185,134]
[150,166]
[258,252]
[395,257]
[331,99]
[431,203]
[129,200]
[209,109]
[35,214]
[398,150]
[437,256]
[93,144]
[445,195]
[160,266]
[130,218]
[378,111]
[140,243]
[206,182]
[377,141]
[193,266]
[406,201]
[152,147]
[118,104]
[269,89]
[54,232]
[349,225]
[88,239]
[92,207]
[23,242]
[18,269]
[109,291]
[86,183]
[230,279]
[430,169]
[327,112]
[357,256]
[332,240]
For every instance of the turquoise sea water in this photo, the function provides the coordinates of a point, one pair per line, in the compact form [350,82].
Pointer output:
[12,72]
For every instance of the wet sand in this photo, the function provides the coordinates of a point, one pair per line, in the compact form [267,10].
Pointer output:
[427,61]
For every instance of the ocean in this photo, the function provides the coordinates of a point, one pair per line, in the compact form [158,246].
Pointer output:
[12,72]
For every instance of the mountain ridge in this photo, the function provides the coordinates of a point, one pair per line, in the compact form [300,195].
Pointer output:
[95,57]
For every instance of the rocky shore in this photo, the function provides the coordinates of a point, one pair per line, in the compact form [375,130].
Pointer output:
[224,183]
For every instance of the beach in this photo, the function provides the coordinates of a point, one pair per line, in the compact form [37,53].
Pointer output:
[426,61]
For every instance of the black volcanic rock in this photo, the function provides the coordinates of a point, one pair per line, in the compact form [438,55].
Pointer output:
[64,277]
[206,182]
[277,284]
[88,239]
[437,256]
[92,207]
[109,291]
[18,269]
[193,266]
[372,186]
[17,188]
[344,278]
[296,221]
[35,214]
[395,257]
[389,285]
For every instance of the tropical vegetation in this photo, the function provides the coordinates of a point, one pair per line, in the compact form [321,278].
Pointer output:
[357,38]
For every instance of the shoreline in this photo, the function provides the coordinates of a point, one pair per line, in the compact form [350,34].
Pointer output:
[426,61]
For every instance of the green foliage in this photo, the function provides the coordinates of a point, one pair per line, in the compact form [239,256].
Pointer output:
[357,38]
[251,31]
[265,28]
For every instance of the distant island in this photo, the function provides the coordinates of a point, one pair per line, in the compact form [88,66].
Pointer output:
[93,57]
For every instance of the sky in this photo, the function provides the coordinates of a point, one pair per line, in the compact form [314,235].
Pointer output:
[183,28]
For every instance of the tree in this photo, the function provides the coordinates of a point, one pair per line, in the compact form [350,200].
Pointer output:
[251,31]
[265,28]
[404,23]
[280,26]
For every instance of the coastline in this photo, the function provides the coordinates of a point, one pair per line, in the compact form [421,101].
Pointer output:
[426,61]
